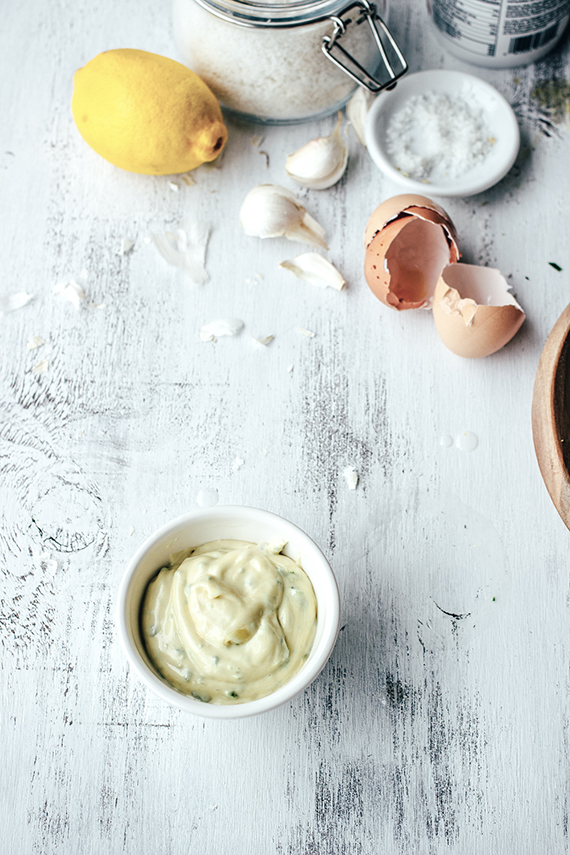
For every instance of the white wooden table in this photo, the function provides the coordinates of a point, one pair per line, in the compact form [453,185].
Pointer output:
[441,723]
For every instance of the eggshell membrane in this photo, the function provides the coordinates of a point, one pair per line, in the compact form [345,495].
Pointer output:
[474,313]
[405,258]
[398,206]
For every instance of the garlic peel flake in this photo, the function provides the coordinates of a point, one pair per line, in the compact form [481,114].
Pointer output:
[272,211]
[321,162]
[12,302]
[216,329]
[69,289]
[35,342]
[186,248]
[316,269]
[357,110]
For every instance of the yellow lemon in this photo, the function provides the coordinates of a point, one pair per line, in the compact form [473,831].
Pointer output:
[147,113]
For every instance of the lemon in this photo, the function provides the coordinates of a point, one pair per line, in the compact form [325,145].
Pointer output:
[147,113]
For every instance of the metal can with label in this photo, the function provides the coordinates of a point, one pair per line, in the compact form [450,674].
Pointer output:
[499,33]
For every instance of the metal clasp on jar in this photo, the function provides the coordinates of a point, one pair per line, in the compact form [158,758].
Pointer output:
[391,64]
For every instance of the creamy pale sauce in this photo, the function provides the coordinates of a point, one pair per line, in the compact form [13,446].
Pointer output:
[229,621]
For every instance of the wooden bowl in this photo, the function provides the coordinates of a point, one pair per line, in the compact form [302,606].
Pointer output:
[551,415]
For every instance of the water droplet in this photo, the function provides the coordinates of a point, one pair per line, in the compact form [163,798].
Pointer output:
[446,441]
[467,441]
[207,498]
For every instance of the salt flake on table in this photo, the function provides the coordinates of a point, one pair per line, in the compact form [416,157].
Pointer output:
[11,302]
[351,476]
[265,340]
[126,246]
[207,498]
[216,329]
[70,290]
[237,464]
[186,248]
[308,333]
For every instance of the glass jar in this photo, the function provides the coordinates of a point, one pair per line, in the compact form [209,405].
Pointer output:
[282,63]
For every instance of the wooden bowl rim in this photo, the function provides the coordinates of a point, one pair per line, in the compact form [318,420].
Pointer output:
[545,430]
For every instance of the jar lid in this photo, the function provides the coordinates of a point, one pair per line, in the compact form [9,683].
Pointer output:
[268,14]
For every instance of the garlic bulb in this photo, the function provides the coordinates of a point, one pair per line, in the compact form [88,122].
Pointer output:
[320,163]
[315,269]
[357,110]
[272,211]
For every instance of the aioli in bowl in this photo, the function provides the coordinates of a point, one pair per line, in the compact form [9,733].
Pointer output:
[229,621]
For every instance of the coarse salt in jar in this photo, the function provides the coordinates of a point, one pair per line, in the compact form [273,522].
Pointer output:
[281,63]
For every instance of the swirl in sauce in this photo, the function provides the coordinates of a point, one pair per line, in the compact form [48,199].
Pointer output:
[229,621]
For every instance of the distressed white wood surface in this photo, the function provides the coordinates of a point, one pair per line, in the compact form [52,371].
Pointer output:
[426,733]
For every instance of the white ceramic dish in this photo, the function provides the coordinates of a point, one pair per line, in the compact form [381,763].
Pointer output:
[500,119]
[240,523]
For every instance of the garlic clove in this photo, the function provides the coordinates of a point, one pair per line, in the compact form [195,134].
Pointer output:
[272,211]
[357,110]
[321,162]
[315,269]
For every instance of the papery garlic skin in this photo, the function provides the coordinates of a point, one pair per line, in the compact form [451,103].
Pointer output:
[70,290]
[321,162]
[216,329]
[186,248]
[315,269]
[12,302]
[272,211]
[357,110]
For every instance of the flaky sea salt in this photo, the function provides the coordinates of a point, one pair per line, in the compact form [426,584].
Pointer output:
[276,72]
[351,476]
[435,136]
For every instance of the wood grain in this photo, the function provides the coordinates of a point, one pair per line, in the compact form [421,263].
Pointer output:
[550,415]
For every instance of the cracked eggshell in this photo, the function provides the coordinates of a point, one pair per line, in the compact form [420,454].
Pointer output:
[475,314]
[399,206]
[409,240]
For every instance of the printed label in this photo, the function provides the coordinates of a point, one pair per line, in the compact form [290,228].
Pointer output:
[501,27]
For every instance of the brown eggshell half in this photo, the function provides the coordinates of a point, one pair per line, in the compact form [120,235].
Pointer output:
[474,312]
[397,206]
[405,258]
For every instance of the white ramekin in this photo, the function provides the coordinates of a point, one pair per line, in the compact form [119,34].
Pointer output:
[239,523]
